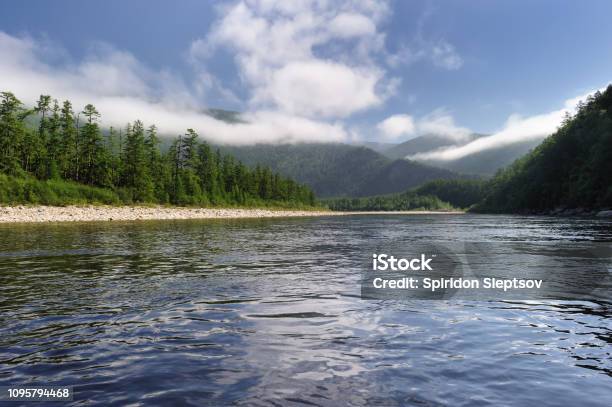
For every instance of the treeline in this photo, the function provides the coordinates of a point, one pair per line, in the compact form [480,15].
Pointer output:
[406,201]
[334,169]
[55,146]
[571,169]
[442,194]
[460,193]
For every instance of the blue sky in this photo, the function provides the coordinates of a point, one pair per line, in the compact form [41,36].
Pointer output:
[340,68]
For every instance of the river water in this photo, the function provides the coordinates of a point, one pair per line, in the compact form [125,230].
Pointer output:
[268,312]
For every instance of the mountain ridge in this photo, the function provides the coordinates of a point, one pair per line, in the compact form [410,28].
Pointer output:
[336,169]
[572,168]
[482,163]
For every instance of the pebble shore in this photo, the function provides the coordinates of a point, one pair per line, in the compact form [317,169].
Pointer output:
[41,214]
[123,213]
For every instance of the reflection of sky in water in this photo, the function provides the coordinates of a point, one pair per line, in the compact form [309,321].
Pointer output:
[269,311]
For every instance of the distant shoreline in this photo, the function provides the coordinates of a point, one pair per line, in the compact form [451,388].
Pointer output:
[91,213]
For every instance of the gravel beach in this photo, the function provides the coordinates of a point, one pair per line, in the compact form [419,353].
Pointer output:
[37,214]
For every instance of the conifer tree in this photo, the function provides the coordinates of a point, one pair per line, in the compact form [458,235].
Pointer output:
[12,133]
[90,145]
[207,170]
[54,142]
[137,175]
[68,149]
[156,165]
[63,146]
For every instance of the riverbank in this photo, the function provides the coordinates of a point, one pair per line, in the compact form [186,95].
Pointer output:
[42,214]
[558,212]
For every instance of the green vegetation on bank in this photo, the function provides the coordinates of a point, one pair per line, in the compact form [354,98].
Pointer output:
[570,172]
[572,168]
[68,159]
[460,193]
[29,190]
[432,196]
[50,155]
[407,201]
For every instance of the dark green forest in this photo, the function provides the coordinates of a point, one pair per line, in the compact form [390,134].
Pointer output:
[439,194]
[406,201]
[50,155]
[483,163]
[572,168]
[460,193]
[569,172]
[340,170]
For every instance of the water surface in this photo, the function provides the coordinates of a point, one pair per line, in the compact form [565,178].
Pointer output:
[267,312]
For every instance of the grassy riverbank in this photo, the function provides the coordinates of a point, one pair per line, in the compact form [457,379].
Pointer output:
[57,192]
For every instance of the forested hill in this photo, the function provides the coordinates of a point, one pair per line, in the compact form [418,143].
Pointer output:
[482,163]
[335,170]
[62,159]
[433,195]
[571,169]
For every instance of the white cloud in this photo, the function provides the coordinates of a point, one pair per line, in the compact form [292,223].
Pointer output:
[321,88]
[441,123]
[445,56]
[438,123]
[279,49]
[124,90]
[349,25]
[517,129]
[304,66]
[396,126]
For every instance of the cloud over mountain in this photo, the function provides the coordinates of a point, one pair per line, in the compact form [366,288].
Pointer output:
[123,89]
[516,129]
[439,123]
[304,68]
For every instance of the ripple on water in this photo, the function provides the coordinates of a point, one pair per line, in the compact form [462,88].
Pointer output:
[268,312]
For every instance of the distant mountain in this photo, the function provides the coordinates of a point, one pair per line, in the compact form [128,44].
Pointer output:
[434,195]
[487,162]
[423,144]
[483,163]
[378,147]
[335,170]
[228,116]
[571,169]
